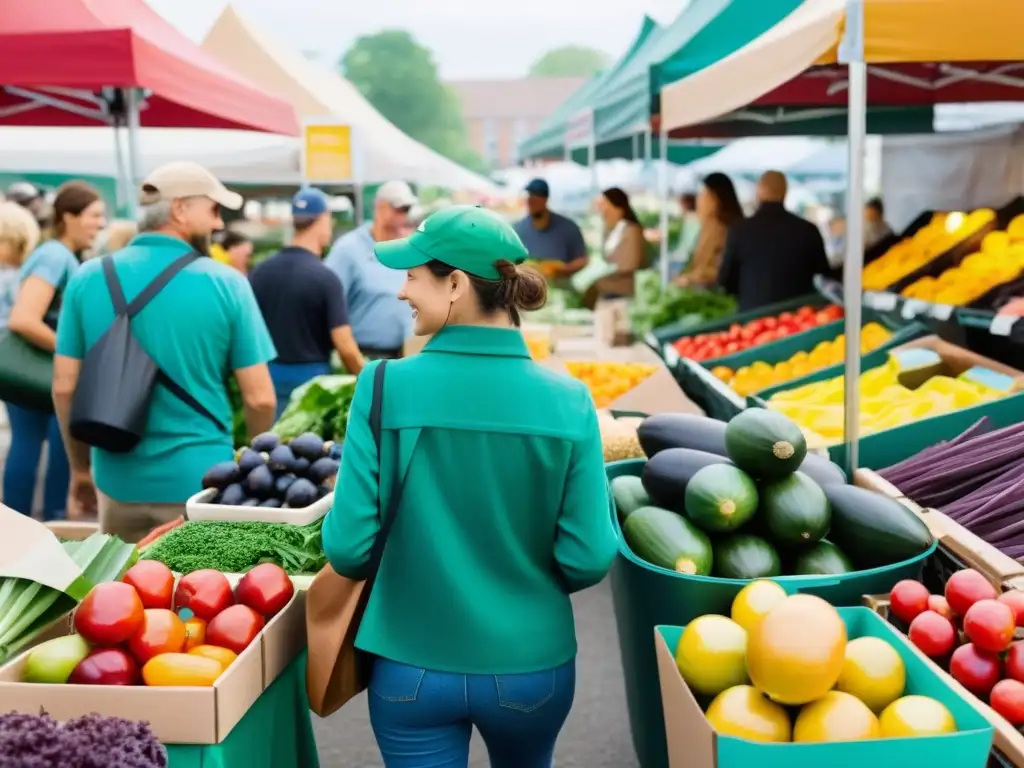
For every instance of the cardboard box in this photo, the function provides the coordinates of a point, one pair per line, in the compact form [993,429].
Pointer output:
[872,481]
[956,360]
[177,715]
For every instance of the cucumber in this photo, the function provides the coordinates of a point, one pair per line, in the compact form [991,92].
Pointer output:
[662,431]
[720,498]
[742,556]
[823,559]
[766,444]
[629,494]
[795,510]
[874,530]
[666,475]
[667,540]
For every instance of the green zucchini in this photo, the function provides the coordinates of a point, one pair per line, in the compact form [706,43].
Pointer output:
[742,556]
[823,559]
[766,444]
[629,494]
[720,498]
[795,510]
[668,540]
[874,530]
[662,431]
[666,475]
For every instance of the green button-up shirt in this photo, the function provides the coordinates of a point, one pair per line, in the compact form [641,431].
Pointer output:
[505,508]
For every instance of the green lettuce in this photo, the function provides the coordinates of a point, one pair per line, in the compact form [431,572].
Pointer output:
[320,406]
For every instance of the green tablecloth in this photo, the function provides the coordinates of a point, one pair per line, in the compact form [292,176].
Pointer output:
[275,732]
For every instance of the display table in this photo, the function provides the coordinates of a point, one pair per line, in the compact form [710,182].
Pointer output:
[275,732]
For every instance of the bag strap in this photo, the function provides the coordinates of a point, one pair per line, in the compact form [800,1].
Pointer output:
[387,517]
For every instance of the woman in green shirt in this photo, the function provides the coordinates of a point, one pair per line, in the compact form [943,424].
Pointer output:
[505,510]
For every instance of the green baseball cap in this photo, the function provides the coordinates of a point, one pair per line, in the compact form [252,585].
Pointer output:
[466,237]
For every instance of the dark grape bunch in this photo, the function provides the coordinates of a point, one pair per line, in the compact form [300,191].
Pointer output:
[90,741]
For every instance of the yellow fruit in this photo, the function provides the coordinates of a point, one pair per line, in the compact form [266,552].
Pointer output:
[711,654]
[873,672]
[796,652]
[754,601]
[744,712]
[916,716]
[836,716]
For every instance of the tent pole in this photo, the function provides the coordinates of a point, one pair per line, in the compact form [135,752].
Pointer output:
[121,188]
[851,52]
[663,192]
[636,147]
[131,109]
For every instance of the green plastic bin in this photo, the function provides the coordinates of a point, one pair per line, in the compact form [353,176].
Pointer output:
[969,747]
[645,596]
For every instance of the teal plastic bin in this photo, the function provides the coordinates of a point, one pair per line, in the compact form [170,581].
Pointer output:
[645,596]
[969,747]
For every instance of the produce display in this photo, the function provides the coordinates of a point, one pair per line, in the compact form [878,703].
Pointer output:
[319,406]
[969,632]
[782,669]
[90,741]
[619,437]
[27,607]
[935,238]
[656,305]
[539,344]
[976,479]
[271,472]
[1000,260]
[147,630]
[744,500]
[708,346]
[608,382]
[885,402]
[759,375]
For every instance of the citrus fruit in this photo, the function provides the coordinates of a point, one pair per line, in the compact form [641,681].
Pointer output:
[836,716]
[711,654]
[873,672]
[745,712]
[754,601]
[796,652]
[916,716]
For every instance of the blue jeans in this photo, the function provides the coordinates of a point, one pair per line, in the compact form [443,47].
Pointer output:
[424,719]
[288,376]
[29,430]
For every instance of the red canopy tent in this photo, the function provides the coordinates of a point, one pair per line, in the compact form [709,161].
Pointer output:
[71,62]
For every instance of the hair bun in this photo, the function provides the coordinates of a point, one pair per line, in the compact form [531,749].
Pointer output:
[507,269]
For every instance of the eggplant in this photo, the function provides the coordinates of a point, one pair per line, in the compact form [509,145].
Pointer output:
[822,471]
[308,446]
[271,503]
[281,459]
[233,495]
[265,442]
[666,475]
[251,503]
[300,494]
[281,484]
[322,469]
[221,475]
[681,430]
[300,467]
[260,482]
[248,460]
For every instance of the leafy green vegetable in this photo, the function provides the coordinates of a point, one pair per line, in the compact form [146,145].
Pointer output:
[237,547]
[656,304]
[319,406]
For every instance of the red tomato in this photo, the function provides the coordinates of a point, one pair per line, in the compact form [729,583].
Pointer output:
[153,581]
[106,666]
[755,326]
[1014,599]
[206,593]
[805,311]
[975,670]
[1007,698]
[933,635]
[786,317]
[749,334]
[764,338]
[769,323]
[908,599]
[110,614]
[1015,661]
[940,605]
[965,588]
[731,347]
[234,628]
[195,633]
[266,589]
[990,625]
[161,632]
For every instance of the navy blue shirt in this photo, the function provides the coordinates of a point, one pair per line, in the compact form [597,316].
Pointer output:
[561,240]
[302,301]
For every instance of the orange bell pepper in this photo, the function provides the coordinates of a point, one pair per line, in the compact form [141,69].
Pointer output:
[181,669]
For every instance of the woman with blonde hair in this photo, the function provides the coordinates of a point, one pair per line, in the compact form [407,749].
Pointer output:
[19,235]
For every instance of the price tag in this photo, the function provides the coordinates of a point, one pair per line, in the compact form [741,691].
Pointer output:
[942,311]
[883,302]
[1002,324]
[912,308]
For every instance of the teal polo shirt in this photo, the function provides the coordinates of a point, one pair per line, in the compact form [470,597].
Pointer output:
[202,326]
[505,511]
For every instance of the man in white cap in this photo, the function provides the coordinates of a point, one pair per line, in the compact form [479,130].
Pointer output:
[381,322]
[202,322]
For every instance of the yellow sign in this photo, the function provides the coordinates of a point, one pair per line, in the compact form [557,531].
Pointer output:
[327,153]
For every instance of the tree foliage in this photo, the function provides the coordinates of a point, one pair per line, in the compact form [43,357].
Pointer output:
[398,76]
[569,61]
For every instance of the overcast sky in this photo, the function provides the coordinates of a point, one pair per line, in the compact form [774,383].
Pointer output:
[470,38]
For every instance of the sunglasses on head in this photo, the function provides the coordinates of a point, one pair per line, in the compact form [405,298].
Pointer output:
[402,208]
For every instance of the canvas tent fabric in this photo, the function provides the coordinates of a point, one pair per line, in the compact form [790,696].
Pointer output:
[64,52]
[381,150]
[752,157]
[941,51]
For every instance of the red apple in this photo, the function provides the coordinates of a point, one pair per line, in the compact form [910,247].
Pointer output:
[990,625]
[1007,699]
[975,670]
[206,593]
[940,605]
[1015,661]
[933,635]
[908,599]
[965,588]
[1015,599]
[106,666]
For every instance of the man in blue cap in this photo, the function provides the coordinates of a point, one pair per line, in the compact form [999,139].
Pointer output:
[303,301]
[549,236]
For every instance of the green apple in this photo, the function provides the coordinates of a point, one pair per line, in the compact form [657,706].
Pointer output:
[54,660]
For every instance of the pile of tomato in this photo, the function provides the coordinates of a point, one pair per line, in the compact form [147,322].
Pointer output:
[707,346]
[145,629]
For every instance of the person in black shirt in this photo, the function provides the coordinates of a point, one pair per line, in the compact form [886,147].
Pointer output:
[303,303]
[773,255]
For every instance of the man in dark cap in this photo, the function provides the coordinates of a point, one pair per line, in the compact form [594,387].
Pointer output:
[549,236]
